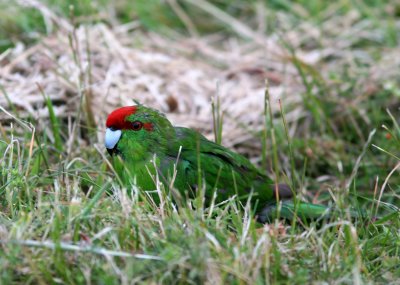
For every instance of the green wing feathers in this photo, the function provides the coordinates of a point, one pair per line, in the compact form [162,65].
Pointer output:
[223,170]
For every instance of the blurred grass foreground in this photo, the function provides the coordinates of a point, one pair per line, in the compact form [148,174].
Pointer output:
[333,73]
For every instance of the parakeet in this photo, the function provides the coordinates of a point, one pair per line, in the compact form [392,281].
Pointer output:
[147,145]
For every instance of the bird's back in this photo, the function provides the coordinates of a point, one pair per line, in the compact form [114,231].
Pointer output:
[221,169]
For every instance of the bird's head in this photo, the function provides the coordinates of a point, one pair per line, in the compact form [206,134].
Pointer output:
[137,131]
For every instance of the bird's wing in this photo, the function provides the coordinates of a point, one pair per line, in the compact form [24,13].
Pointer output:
[225,171]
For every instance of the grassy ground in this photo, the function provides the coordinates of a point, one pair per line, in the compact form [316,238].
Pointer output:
[64,218]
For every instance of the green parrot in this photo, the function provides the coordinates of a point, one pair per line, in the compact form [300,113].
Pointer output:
[144,141]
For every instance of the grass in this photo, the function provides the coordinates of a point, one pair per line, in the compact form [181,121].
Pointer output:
[66,218]
[52,231]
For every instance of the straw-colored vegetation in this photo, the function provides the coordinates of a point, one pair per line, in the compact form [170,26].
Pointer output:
[331,70]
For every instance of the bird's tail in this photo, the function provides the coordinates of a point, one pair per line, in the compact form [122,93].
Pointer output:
[305,211]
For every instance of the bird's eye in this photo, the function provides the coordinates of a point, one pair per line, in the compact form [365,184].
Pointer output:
[137,125]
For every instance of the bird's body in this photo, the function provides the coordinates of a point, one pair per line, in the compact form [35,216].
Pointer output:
[150,146]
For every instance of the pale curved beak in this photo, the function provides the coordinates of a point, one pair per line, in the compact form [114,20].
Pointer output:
[112,138]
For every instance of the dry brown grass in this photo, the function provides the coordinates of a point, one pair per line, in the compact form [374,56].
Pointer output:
[112,66]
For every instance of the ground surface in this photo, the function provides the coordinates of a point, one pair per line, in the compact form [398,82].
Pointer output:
[329,72]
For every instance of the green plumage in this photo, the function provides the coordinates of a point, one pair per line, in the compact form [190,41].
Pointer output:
[158,148]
